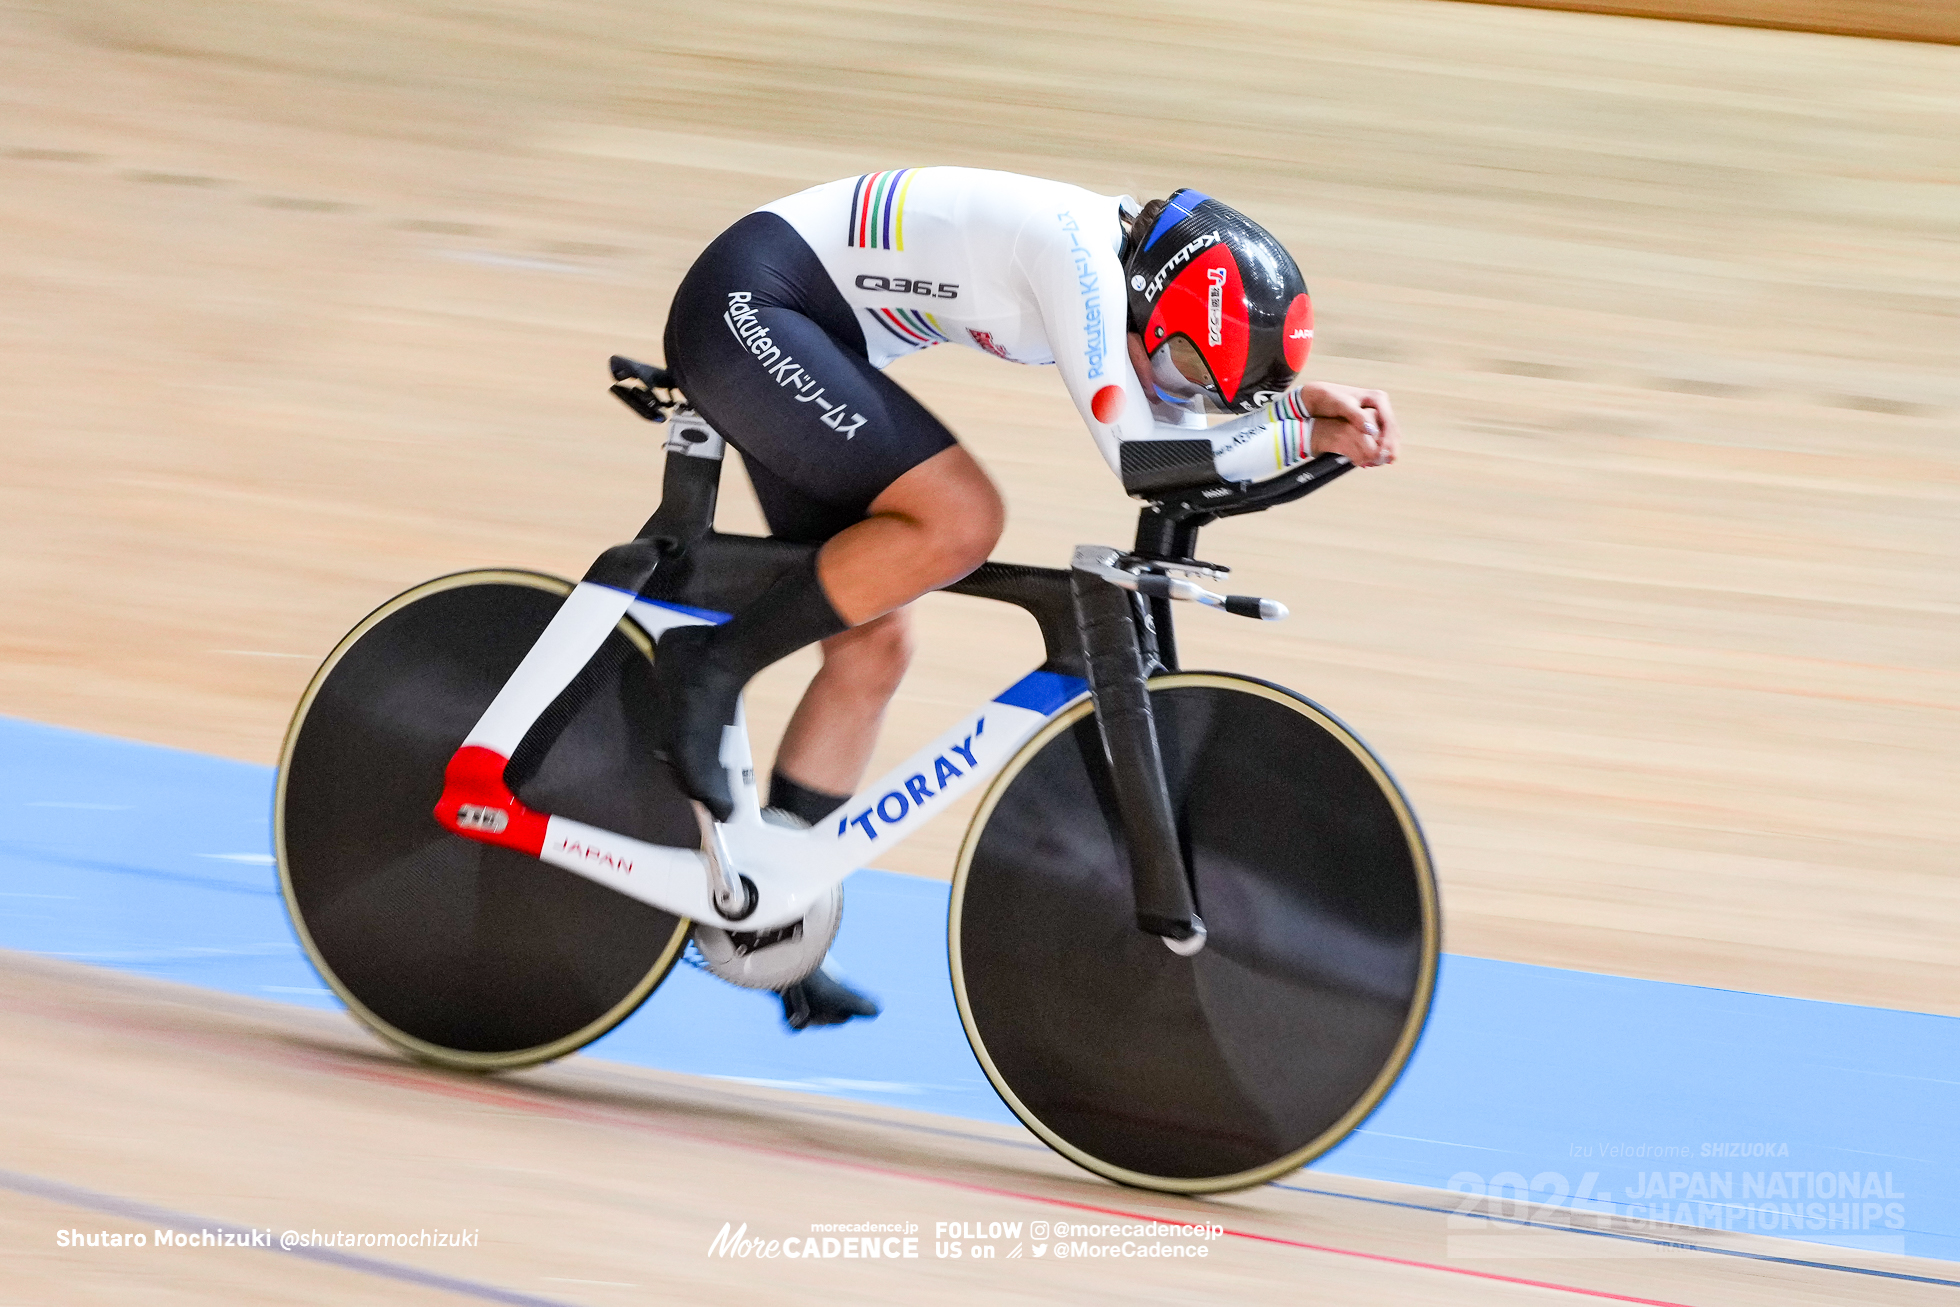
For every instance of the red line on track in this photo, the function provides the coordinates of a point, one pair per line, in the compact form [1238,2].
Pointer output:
[507,1098]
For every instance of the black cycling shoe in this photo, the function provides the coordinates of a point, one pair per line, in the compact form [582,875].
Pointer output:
[820,999]
[696,699]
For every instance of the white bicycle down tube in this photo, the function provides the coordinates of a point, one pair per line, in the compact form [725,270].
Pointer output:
[792,868]
[934,778]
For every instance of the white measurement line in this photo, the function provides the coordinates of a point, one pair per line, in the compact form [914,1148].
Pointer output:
[491,258]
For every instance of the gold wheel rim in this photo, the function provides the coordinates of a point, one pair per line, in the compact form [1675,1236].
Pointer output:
[422,1049]
[1405,1043]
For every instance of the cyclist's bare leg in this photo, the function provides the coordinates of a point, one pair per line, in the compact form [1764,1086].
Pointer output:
[830,737]
[928,528]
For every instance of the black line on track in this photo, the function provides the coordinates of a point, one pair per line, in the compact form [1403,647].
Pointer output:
[1629,1238]
[129,1209]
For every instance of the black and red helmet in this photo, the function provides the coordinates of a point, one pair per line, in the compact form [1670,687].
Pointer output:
[1226,300]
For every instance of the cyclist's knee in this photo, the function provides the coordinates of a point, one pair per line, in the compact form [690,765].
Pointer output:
[962,532]
[979,529]
[954,513]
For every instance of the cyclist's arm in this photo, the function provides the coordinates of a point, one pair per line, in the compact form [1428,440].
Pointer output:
[1353,422]
[1077,283]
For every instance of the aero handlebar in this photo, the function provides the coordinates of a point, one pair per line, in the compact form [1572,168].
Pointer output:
[1205,503]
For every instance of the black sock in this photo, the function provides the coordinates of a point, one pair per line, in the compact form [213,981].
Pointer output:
[792,613]
[802,801]
[700,671]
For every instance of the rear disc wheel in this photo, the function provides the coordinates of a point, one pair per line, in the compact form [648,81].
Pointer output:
[460,953]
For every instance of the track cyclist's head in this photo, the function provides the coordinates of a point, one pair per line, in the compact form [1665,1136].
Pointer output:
[1220,306]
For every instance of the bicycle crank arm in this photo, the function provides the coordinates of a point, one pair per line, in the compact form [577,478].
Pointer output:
[733,893]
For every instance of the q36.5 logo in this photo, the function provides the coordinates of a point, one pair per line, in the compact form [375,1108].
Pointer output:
[944,290]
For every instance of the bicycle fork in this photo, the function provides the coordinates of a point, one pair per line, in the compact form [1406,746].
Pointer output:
[1107,623]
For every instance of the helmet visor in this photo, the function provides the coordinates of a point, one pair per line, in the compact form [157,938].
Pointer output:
[1179,370]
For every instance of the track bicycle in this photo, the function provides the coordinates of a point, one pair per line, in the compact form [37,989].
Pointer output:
[1193,931]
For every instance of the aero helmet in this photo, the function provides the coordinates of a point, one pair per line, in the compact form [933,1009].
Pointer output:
[1221,296]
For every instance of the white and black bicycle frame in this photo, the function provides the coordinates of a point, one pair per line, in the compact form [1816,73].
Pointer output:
[1105,624]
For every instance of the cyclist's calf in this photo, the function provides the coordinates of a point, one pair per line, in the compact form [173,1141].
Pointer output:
[830,738]
[869,661]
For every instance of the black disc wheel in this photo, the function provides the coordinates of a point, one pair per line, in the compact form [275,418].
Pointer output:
[1261,1051]
[461,953]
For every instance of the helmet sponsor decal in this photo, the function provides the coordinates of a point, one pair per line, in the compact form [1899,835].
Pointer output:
[1209,284]
[1215,307]
[1155,286]
[1298,331]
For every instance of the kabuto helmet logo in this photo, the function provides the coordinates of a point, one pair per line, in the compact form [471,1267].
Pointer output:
[1208,274]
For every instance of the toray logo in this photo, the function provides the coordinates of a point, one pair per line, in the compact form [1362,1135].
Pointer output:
[594,854]
[891,808]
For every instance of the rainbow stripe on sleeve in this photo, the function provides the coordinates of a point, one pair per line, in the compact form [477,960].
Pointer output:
[878,210]
[1292,430]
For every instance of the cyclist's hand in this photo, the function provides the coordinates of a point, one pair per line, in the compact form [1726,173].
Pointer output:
[1355,423]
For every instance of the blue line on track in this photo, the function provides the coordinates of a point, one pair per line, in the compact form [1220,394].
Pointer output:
[1670,1103]
[162,1218]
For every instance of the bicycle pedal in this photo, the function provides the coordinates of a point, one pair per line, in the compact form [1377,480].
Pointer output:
[774,958]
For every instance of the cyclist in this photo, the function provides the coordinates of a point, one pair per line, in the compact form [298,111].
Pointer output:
[779,334]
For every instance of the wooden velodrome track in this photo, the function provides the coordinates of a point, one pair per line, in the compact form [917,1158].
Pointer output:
[307,300]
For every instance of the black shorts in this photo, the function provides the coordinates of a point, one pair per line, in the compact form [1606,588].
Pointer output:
[774,359]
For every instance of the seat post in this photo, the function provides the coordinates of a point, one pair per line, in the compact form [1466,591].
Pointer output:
[691,486]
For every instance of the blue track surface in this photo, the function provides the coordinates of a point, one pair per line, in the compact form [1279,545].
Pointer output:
[1699,1106]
